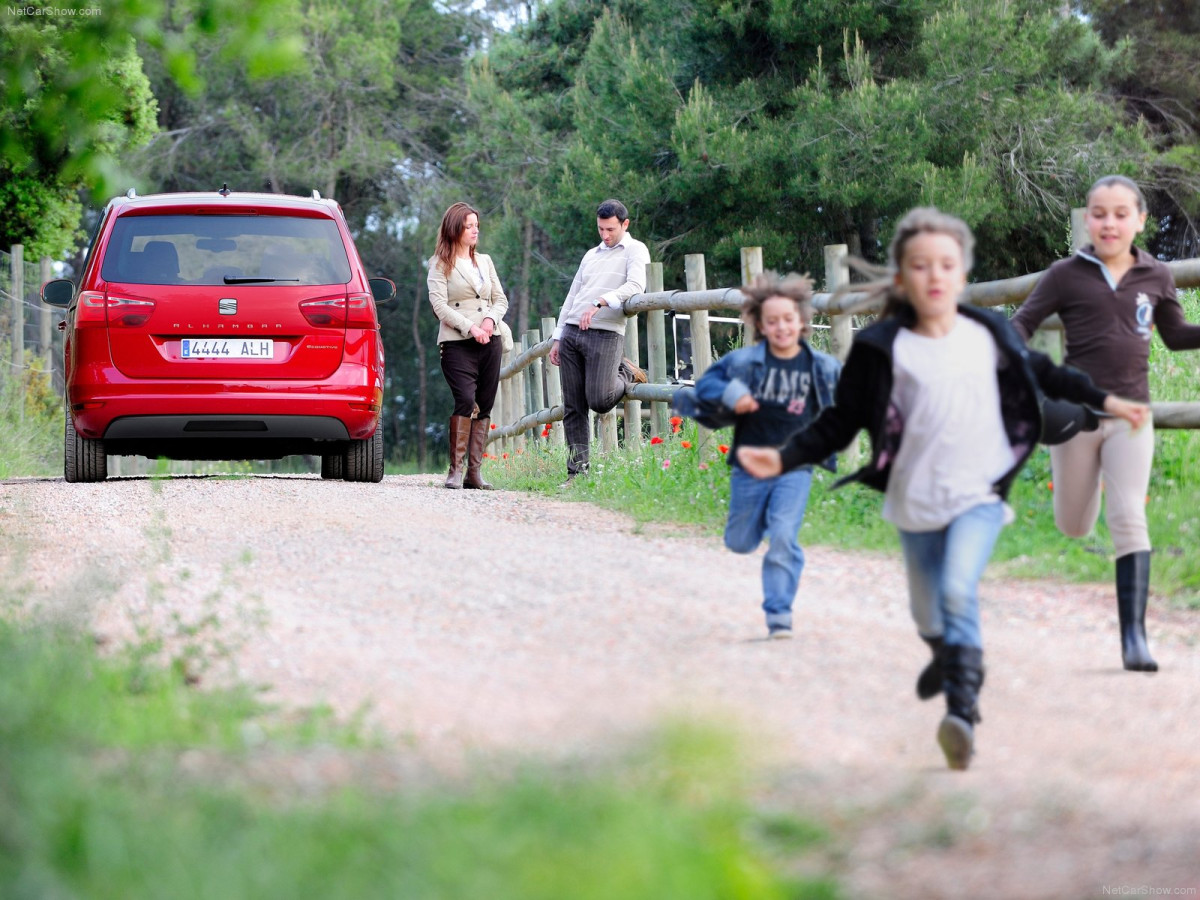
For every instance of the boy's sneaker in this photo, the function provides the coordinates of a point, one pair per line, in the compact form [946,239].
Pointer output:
[779,632]
[631,372]
[957,740]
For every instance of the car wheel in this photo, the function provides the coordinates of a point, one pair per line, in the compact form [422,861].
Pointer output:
[83,458]
[364,459]
[333,465]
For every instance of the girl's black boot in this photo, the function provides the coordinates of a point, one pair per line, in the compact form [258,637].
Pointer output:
[1133,588]
[963,671]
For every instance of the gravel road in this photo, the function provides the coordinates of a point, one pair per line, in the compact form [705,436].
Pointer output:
[468,624]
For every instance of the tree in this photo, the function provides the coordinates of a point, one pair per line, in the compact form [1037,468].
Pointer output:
[791,125]
[1162,88]
[76,100]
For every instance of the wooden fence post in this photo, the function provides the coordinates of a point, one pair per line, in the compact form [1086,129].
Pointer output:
[837,273]
[509,409]
[45,321]
[752,263]
[841,331]
[537,399]
[633,408]
[18,310]
[518,440]
[697,280]
[553,387]
[656,351]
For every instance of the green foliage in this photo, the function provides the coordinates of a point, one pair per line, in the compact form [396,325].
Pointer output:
[790,126]
[113,793]
[31,422]
[75,100]
[1161,87]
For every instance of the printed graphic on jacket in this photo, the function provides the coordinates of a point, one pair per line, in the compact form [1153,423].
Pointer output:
[785,404]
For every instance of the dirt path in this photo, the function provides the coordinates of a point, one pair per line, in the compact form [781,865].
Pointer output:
[467,622]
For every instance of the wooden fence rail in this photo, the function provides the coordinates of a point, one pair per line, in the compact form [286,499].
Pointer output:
[519,393]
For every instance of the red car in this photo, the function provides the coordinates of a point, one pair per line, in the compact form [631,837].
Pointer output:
[223,326]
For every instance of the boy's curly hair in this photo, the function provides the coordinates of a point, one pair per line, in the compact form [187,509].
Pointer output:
[769,284]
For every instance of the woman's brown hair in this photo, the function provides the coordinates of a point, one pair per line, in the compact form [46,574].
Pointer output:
[454,223]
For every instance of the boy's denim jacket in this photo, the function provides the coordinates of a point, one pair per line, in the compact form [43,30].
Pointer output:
[741,372]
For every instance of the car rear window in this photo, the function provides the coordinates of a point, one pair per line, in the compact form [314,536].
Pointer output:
[222,249]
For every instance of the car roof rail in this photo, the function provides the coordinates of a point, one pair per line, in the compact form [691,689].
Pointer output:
[131,193]
[316,195]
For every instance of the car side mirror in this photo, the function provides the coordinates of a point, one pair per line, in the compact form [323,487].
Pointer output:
[382,289]
[58,292]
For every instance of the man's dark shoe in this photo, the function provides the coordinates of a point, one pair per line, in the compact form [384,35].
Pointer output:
[632,373]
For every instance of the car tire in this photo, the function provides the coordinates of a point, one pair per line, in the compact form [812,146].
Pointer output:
[364,459]
[333,465]
[83,458]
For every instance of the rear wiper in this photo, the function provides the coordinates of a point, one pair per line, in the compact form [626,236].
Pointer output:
[232,279]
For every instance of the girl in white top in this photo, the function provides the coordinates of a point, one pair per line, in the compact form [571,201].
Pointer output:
[952,399]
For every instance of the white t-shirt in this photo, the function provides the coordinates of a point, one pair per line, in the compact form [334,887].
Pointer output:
[954,447]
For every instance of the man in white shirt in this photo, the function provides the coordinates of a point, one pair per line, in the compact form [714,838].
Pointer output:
[589,340]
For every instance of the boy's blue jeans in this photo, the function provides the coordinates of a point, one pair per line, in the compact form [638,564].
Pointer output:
[944,568]
[771,508]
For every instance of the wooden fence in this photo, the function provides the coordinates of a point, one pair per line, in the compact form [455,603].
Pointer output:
[531,394]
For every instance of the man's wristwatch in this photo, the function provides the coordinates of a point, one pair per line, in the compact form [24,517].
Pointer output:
[599,304]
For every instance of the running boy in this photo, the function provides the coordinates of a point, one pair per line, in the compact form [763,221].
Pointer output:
[1110,296]
[951,398]
[767,391]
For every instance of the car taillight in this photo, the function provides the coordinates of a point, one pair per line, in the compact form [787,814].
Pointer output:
[360,312]
[124,312]
[90,311]
[325,312]
[95,310]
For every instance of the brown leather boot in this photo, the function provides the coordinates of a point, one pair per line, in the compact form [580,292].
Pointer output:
[479,434]
[460,435]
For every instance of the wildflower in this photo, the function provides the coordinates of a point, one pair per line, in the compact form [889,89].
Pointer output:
[686,445]
[666,464]
[676,421]
[1049,485]
[656,440]
[506,456]
[703,467]
[724,448]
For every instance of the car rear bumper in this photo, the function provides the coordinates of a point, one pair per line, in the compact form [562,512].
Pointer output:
[171,409]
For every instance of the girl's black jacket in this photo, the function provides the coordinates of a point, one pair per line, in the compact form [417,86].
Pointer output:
[863,399]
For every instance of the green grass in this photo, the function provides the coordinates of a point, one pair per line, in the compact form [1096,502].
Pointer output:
[688,492]
[118,783]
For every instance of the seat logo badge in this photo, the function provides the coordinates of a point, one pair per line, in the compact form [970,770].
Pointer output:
[227,306]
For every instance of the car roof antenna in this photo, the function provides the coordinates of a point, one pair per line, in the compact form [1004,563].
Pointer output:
[316,195]
[224,191]
[131,193]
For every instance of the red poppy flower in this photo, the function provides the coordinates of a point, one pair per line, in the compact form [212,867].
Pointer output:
[686,445]
[1049,485]
[676,420]
[506,456]
[724,448]
[656,440]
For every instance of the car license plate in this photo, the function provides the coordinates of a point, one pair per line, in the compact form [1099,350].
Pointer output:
[235,348]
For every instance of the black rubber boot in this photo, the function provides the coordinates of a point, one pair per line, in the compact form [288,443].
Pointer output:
[929,682]
[1133,587]
[962,668]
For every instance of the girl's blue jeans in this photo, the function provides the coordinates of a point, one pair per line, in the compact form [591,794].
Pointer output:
[944,568]
[772,508]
